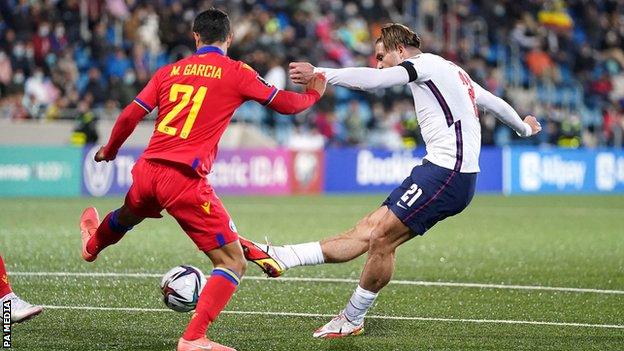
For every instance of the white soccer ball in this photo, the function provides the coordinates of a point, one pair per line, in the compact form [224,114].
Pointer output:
[181,287]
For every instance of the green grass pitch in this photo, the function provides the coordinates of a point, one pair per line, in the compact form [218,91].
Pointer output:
[573,242]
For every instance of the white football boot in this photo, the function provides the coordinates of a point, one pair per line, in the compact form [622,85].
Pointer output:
[21,310]
[339,327]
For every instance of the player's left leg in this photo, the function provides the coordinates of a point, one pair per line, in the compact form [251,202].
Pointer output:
[343,247]
[140,203]
[385,237]
[97,236]
[20,310]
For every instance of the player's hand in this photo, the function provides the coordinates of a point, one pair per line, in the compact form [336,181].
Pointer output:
[301,72]
[318,83]
[536,127]
[101,156]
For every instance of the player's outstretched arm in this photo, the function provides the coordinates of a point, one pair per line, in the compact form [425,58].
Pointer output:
[505,113]
[361,78]
[124,126]
[289,102]
[253,87]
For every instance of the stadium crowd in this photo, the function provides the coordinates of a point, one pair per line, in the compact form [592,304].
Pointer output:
[560,60]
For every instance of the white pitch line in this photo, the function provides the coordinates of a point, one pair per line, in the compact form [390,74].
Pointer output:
[337,280]
[321,315]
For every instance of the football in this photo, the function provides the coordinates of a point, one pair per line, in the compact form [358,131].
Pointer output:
[181,287]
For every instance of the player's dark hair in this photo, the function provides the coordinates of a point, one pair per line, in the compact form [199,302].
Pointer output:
[212,25]
[395,34]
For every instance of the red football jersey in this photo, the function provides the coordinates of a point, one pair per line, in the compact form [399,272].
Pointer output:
[196,98]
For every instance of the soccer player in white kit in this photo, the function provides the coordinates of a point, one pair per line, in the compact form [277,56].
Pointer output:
[446,102]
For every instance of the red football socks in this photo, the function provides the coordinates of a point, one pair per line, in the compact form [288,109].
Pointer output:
[108,233]
[5,287]
[216,294]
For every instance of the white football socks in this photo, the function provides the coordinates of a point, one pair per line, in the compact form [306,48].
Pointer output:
[307,254]
[360,302]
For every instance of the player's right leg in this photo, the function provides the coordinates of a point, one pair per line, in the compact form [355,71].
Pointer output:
[205,220]
[385,237]
[275,260]
[20,310]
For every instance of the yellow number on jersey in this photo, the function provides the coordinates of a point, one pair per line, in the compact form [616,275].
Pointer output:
[186,91]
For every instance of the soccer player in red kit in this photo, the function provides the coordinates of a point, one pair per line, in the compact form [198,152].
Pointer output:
[196,98]
[20,309]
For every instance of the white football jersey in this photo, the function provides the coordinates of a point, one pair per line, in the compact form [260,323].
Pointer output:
[444,99]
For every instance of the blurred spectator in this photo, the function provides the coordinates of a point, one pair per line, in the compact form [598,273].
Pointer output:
[540,63]
[123,90]
[524,33]
[117,64]
[6,74]
[384,129]
[570,131]
[39,93]
[42,43]
[325,123]
[85,131]
[13,108]
[613,127]
[276,75]
[59,41]
[96,87]
[22,58]
[66,71]
[354,125]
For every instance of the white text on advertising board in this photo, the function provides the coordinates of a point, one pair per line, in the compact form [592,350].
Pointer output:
[372,170]
[258,171]
[45,171]
[538,170]
[609,171]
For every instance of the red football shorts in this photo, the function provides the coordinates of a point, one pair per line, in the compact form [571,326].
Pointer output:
[158,185]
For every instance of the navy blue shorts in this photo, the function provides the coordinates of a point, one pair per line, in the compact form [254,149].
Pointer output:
[430,194]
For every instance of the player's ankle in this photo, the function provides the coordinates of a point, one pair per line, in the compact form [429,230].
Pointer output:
[307,254]
[192,336]
[5,289]
[359,304]
[91,248]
